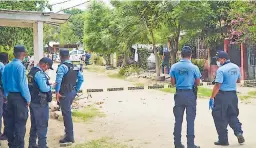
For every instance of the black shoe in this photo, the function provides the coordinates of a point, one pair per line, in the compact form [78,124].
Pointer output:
[66,140]
[179,146]
[221,143]
[240,138]
[195,146]
[34,146]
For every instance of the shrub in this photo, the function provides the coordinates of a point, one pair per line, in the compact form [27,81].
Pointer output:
[128,70]
[96,59]
[199,63]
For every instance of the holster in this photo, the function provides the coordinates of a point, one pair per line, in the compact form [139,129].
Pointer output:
[49,96]
[43,98]
[195,89]
[213,82]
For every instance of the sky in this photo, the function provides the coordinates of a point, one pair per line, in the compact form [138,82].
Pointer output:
[71,3]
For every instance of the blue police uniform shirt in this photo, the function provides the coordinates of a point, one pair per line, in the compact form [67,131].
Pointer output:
[228,75]
[15,80]
[61,71]
[41,81]
[185,74]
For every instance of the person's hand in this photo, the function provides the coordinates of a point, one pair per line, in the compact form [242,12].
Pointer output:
[5,100]
[211,103]
[53,85]
[58,96]
[28,103]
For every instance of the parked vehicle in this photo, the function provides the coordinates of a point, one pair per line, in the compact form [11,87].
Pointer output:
[76,55]
[151,62]
[30,63]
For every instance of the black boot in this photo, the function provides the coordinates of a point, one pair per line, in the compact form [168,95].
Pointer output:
[221,143]
[67,140]
[179,146]
[195,146]
[240,138]
[33,146]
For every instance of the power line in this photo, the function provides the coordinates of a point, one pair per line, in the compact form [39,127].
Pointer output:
[73,6]
[60,2]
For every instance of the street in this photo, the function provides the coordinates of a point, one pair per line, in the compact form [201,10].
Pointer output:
[144,118]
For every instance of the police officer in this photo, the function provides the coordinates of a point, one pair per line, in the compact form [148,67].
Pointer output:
[224,100]
[166,60]
[16,89]
[68,82]
[185,75]
[40,91]
[3,102]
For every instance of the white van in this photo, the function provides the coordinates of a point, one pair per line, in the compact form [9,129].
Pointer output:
[76,55]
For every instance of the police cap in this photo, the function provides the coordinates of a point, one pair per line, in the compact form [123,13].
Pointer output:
[222,55]
[19,48]
[47,61]
[64,52]
[186,51]
[4,57]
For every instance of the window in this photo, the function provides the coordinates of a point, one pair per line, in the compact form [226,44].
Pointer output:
[80,52]
[73,52]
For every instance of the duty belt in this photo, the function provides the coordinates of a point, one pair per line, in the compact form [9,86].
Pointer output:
[183,90]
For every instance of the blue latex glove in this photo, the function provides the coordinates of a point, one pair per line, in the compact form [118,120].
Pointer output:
[211,103]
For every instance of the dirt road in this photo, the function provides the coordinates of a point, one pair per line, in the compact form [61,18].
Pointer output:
[144,119]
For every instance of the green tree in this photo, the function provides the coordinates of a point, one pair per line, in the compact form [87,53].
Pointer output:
[96,31]
[186,17]
[77,21]
[67,35]
[51,33]
[144,18]
[126,29]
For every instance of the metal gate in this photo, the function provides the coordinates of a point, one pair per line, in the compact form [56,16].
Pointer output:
[235,54]
[251,54]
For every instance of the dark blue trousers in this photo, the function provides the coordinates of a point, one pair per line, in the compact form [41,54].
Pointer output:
[225,112]
[39,116]
[65,105]
[4,117]
[167,67]
[184,99]
[1,107]
[16,119]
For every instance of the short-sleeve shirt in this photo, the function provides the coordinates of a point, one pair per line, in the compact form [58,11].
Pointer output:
[185,74]
[228,75]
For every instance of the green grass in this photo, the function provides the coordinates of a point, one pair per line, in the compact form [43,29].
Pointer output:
[204,92]
[101,143]
[95,68]
[244,97]
[116,75]
[168,90]
[252,93]
[86,114]
[138,84]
